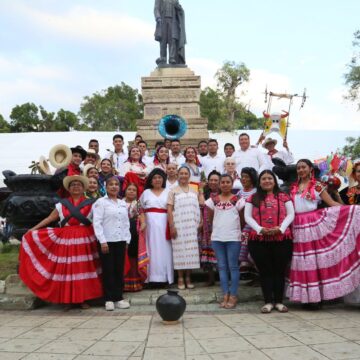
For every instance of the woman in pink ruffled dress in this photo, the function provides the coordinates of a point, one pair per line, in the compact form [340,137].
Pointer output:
[326,254]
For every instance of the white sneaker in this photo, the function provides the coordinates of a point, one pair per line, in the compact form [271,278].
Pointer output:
[109,306]
[122,304]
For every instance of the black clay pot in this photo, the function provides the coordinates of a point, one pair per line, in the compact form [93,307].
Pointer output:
[31,199]
[170,306]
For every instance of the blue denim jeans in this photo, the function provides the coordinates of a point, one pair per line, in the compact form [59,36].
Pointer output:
[227,255]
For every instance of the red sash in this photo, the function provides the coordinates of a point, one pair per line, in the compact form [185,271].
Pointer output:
[160,211]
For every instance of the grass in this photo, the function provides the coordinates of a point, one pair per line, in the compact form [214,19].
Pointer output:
[8,260]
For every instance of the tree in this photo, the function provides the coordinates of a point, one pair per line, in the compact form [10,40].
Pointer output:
[4,125]
[24,118]
[46,121]
[66,121]
[352,77]
[229,77]
[352,149]
[213,108]
[116,107]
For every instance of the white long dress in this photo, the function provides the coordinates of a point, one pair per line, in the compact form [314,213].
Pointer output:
[159,249]
[186,254]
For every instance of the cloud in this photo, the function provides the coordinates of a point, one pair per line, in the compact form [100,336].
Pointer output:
[19,69]
[22,82]
[328,113]
[87,24]
[206,68]
[255,88]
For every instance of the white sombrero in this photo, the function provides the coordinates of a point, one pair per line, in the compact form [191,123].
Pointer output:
[268,141]
[69,179]
[44,167]
[86,169]
[60,156]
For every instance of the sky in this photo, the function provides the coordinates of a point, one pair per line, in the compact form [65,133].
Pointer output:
[54,53]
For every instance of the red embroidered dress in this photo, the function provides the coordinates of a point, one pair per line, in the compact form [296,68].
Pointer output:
[61,265]
[269,214]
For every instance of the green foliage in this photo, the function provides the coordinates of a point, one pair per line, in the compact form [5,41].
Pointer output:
[229,77]
[46,122]
[28,117]
[352,148]
[4,125]
[67,121]
[352,77]
[25,118]
[9,259]
[213,107]
[222,107]
[115,108]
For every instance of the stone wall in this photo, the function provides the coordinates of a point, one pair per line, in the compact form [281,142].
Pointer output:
[167,91]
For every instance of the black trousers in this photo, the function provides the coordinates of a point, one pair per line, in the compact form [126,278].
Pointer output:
[272,259]
[113,271]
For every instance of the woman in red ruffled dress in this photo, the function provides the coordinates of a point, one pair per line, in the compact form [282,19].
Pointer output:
[61,265]
[134,170]
[326,254]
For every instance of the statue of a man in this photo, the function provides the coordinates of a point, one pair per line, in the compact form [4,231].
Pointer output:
[170,31]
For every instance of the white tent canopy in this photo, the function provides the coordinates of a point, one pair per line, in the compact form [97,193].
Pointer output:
[17,150]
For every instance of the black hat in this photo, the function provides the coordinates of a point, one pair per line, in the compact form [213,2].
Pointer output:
[80,150]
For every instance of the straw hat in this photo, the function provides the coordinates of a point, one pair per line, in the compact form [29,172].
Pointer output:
[92,152]
[86,169]
[44,166]
[60,156]
[69,179]
[268,141]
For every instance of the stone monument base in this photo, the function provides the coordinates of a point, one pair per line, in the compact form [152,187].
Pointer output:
[172,91]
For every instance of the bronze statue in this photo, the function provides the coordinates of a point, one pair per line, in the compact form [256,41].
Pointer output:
[170,31]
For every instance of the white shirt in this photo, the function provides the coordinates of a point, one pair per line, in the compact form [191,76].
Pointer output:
[178,160]
[286,156]
[252,157]
[148,160]
[290,214]
[210,163]
[226,223]
[117,159]
[303,205]
[111,220]
[170,185]
[133,167]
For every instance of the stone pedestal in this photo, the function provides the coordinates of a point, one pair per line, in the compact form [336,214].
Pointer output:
[167,91]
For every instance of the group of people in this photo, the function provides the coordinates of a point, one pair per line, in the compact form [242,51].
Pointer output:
[130,219]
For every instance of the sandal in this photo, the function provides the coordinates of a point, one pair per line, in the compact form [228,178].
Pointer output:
[267,308]
[281,308]
[225,301]
[189,285]
[231,304]
[181,284]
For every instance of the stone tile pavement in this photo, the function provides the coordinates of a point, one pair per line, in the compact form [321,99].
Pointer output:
[50,333]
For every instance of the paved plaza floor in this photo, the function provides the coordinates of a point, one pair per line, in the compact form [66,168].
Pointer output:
[244,333]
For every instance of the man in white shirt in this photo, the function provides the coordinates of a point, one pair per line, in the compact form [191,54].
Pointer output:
[118,156]
[286,156]
[213,160]
[249,156]
[202,148]
[175,156]
[147,160]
